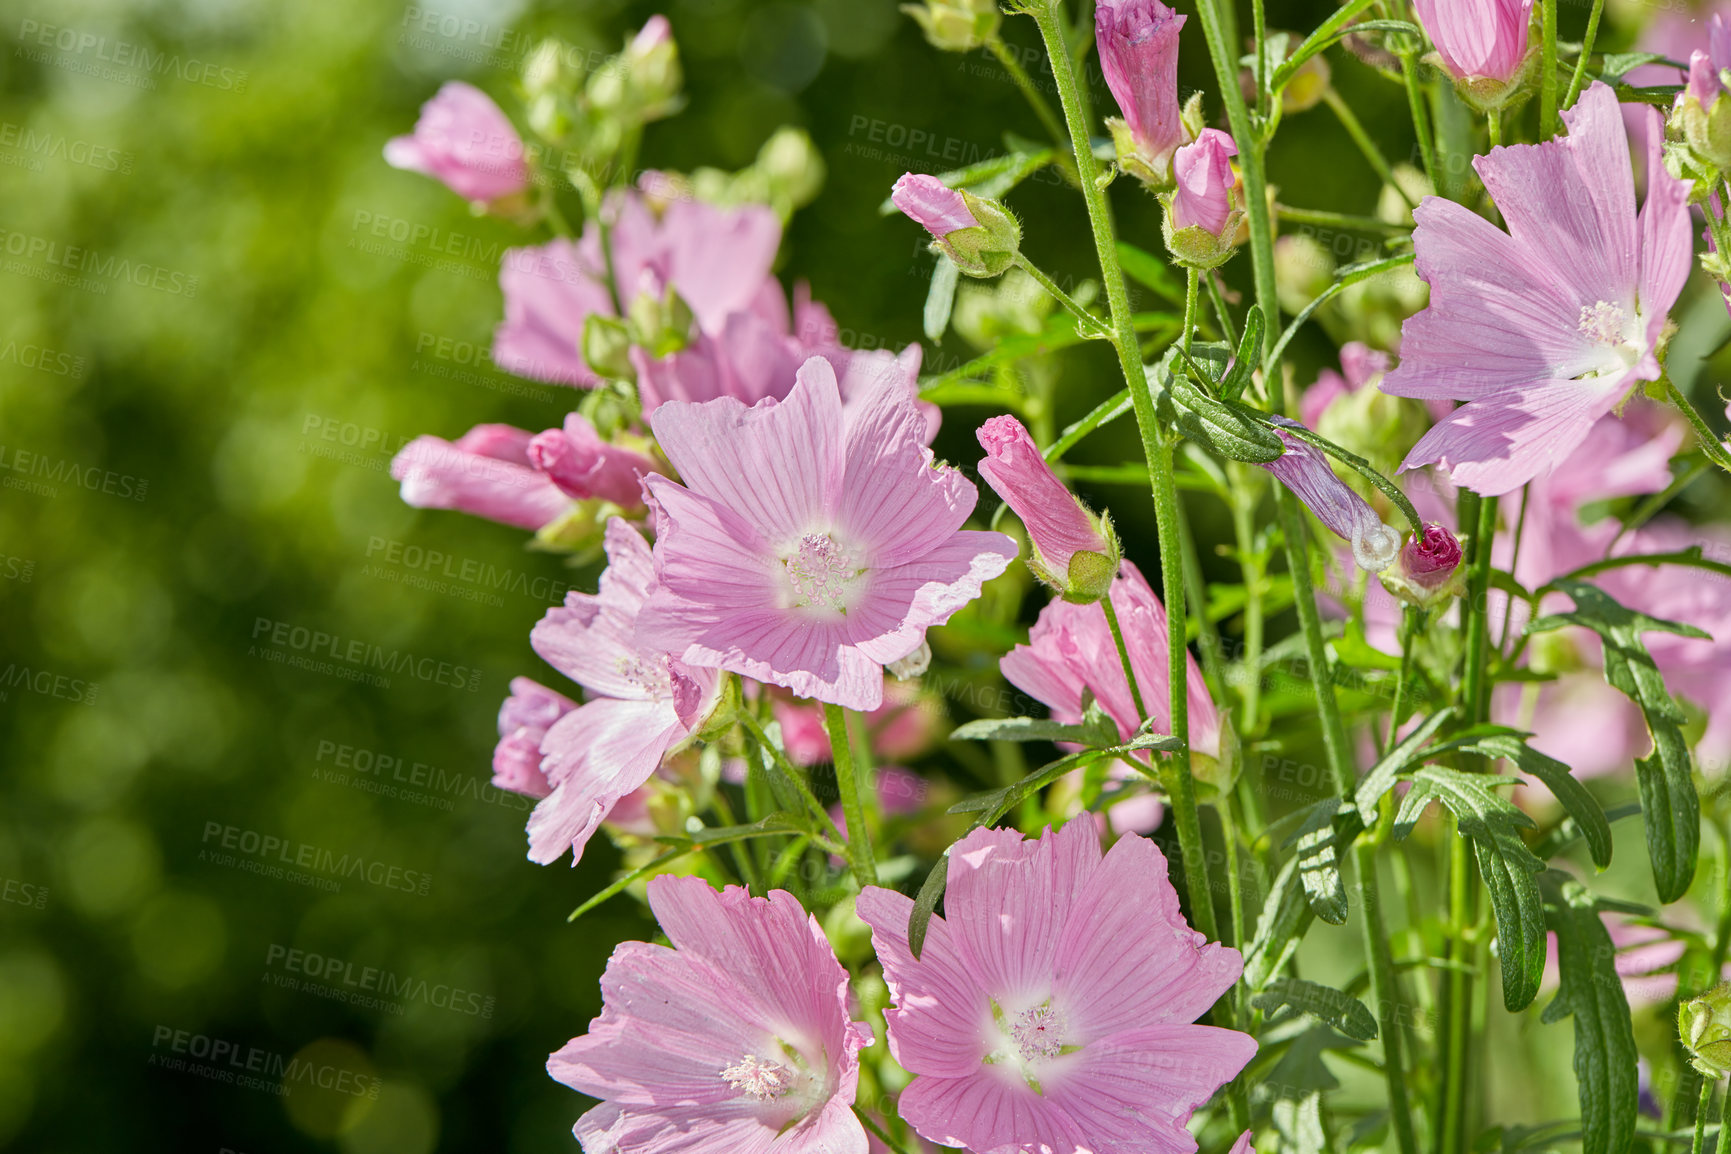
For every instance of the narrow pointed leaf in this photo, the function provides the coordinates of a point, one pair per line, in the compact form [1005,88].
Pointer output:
[1326,1004]
[1592,992]
[1581,805]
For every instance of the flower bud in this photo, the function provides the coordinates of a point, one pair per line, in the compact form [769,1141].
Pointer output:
[1700,116]
[607,346]
[553,69]
[464,140]
[956,25]
[576,459]
[1138,43]
[1074,551]
[658,319]
[1201,218]
[1704,1023]
[792,168]
[1428,570]
[524,719]
[979,235]
[1481,45]
[1304,470]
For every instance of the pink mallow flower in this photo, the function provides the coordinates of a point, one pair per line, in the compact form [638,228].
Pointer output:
[576,459]
[1059,527]
[716,259]
[486,472]
[1545,328]
[1478,39]
[735,1041]
[933,205]
[643,702]
[1051,1008]
[1305,470]
[1070,655]
[1138,42]
[1202,170]
[808,548]
[524,719]
[464,140]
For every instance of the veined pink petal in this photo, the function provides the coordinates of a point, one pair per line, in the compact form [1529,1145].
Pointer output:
[941,1012]
[1485,38]
[933,205]
[464,140]
[593,756]
[550,291]
[1138,43]
[437,474]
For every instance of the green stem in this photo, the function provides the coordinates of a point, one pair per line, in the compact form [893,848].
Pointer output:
[1349,121]
[1478,624]
[1494,125]
[1048,119]
[1091,325]
[792,772]
[1217,25]
[889,1143]
[1514,560]
[1411,625]
[1182,789]
[1384,992]
[1548,71]
[1251,567]
[1580,72]
[1124,659]
[1339,220]
[1190,286]
[1219,302]
[1711,445]
[1702,1108]
[859,840]
[1409,67]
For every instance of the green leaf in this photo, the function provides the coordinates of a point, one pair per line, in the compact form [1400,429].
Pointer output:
[1299,1123]
[931,893]
[1326,1004]
[1576,800]
[1285,917]
[1249,356]
[1381,777]
[1151,272]
[941,297]
[1670,809]
[1319,845]
[1592,991]
[1025,729]
[1618,64]
[1509,869]
[1228,430]
[774,824]
[1343,279]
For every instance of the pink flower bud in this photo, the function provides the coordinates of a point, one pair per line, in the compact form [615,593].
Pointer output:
[485,472]
[1203,171]
[583,465]
[1058,526]
[1704,83]
[1429,561]
[1138,42]
[1480,39]
[524,720]
[464,140]
[926,200]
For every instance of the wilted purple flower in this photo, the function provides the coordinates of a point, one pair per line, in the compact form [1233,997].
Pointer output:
[1304,470]
[464,140]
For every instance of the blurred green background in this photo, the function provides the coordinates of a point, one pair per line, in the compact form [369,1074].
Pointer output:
[204,371]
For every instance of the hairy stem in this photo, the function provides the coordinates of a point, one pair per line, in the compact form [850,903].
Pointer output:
[1124,659]
[859,841]
[1048,119]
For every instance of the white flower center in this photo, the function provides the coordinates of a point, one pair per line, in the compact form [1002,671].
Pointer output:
[1622,336]
[758,1079]
[1029,1040]
[820,574]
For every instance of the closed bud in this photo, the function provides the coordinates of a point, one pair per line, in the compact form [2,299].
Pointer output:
[1483,46]
[1701,117]
[660,322]
[1201,214]
[1704,1023]
[551,70]
[1138,45]
[956,25]
[979,235]
[1071,549]
[1428,570]
[607,346]
[792,168]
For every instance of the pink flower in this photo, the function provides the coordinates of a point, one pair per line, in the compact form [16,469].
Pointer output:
[716,259]
[524,719]
[486,472]
[806,549]
[464,140]
[736,1040]
[1203,172]
[643,701]
[927,201]
[1243,1145]
[1547,327]
[1305,470]
[1051,1008]
[1138,42]
[1478,38]
[1070,652]
[1430,560]
[576,459]
[1058,526]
